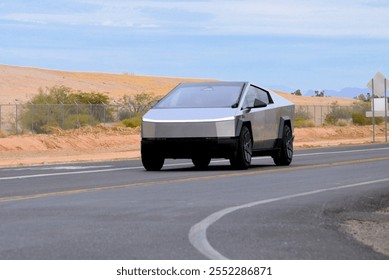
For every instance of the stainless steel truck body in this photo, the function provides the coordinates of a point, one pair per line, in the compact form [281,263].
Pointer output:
[233,120]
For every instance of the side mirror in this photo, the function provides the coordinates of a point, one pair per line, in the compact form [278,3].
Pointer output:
[259,104]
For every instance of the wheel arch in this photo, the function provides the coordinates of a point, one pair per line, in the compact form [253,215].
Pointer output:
[241,124]
[285,120]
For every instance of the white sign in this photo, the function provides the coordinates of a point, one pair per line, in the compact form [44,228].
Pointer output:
[379,108]
[377,84]
[379,105]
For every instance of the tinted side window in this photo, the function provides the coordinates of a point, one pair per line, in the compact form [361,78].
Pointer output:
[255,93]
[262,95]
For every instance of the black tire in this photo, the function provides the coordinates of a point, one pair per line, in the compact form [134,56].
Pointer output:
[242,156]
[201,162]
[285,155]
[152,163]
[151,160]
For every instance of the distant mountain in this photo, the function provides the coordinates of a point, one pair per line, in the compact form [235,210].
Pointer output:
[281,88]
[348,92]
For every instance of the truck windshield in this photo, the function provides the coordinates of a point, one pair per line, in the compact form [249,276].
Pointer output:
[202,96]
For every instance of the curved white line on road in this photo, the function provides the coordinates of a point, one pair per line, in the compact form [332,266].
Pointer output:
[198,232]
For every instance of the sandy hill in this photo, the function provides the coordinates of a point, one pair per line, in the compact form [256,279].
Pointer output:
[23,82]
[19,84]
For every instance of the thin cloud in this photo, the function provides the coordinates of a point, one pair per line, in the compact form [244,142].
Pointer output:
[360,18]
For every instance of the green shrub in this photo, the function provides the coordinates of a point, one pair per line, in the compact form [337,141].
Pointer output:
[340,112]
[330,120]
[65,108]
[338,115]
[359,119]
[377,120]
[300,122]
[77,121]
[133,122]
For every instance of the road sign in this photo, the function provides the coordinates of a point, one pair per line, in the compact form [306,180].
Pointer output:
[377,84]
[378,87]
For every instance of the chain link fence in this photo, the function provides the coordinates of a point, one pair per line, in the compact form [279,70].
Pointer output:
[35,118]
[327,114]
[315,113]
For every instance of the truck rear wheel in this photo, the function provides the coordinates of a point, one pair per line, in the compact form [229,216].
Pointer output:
[285,155]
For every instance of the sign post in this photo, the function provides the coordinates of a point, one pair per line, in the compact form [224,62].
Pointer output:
[378,87]
[386,116]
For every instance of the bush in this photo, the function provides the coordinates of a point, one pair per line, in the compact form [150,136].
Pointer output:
[133,122]
[133,105]
[63,107]
[359,119]
[377,120]
[330,120]
[77,121]
[300,122]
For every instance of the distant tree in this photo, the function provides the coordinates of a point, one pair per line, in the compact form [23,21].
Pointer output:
[319,93]
[297,92]
[136,105]
[363,97]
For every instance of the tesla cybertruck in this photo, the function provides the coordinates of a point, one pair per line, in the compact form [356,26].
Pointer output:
[231,120]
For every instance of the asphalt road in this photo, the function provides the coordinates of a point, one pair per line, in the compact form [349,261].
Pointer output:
[117,210]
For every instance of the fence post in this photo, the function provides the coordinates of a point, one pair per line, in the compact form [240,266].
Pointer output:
[63,115]
[104,112]
[78,117]
[314,113]
[48,113]
[16,118]
[90,113]
[32,117]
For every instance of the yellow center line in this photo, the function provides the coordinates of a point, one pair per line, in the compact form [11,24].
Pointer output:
[182,180]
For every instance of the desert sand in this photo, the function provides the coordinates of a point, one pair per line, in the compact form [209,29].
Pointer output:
[114,143]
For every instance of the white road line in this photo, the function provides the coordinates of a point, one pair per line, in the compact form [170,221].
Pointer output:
[198,232]
[82,172]
[340,152]
[66,173]
[166,165]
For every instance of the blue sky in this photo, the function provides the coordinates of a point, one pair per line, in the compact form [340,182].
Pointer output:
[306,44]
